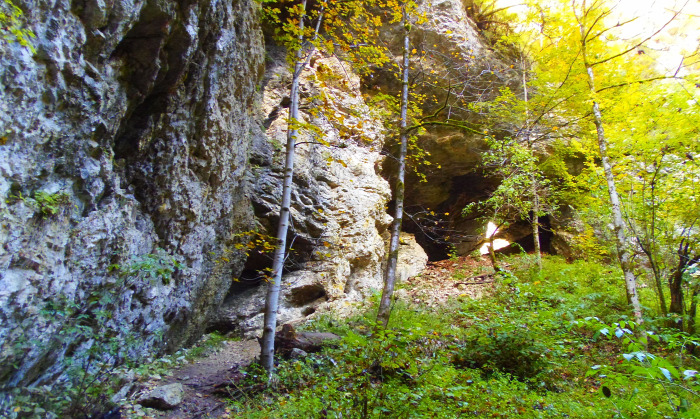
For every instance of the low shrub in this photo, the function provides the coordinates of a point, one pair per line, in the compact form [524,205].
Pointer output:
[514,351]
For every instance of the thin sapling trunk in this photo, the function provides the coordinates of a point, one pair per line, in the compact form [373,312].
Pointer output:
[390,273]
[267,342]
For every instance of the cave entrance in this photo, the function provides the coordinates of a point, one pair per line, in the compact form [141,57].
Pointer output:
[522,240]
[546,234]
[515,239]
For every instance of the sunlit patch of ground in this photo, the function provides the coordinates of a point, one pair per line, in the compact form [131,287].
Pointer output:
[463,277]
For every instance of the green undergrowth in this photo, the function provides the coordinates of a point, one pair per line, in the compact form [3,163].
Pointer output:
[88,393]
[555,343]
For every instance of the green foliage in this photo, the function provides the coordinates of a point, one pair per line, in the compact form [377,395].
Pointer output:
[44,204]
[151,268]
[637,369]
[93,344]
[512,349]
[520,353]
[12,26]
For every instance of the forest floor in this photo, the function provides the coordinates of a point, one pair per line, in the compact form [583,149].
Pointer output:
[461,342]
[206,380]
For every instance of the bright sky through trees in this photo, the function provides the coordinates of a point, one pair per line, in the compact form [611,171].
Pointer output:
[678,39]
[497,243]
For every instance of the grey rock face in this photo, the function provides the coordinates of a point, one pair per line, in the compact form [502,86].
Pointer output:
[339,219]
[134,162]
[137,118]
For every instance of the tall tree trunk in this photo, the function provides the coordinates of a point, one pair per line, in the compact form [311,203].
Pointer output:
[535,222]
[646,247]
[675,288]
[675,285]
[536,225]
[623,253]
[390,273]
[267,343]
[492,254]
[647,240]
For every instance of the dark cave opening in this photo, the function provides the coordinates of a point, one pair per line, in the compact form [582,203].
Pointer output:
[438,247]
[443,229]
[258,264]
[447,226]
[527,243]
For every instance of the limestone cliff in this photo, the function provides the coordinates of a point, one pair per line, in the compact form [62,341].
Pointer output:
[135,163]
[339,219]
[135,118]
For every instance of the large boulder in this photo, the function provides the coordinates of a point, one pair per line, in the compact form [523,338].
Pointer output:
[164,397]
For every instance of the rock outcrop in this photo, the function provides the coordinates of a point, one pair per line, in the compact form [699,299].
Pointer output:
[128,131]
[453,65]
[339,215]
[135,164]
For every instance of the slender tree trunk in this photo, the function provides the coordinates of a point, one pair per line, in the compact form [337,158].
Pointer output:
[267,343]
[536,225]
[675,287]
[647,241]
[390,273]
[535,222]
[623,253]
[492,254]
[658,282]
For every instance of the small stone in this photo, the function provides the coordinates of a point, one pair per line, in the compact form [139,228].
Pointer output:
[164,397]
[121,394]
[297,353]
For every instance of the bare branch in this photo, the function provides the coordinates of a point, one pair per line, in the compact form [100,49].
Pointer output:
[636,82]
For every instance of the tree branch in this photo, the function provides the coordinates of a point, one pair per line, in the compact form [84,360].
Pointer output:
[636,82]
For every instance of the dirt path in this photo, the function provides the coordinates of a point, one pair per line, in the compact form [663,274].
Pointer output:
[204,378]
[201,380]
